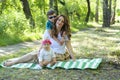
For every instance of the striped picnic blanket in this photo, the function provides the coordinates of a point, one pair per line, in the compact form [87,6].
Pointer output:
[77,64]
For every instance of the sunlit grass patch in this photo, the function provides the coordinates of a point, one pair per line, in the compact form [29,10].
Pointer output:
[94,44]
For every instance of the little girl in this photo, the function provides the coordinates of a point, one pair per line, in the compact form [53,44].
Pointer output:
[46,55]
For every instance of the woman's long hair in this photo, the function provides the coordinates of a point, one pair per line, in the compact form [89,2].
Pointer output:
[65,28]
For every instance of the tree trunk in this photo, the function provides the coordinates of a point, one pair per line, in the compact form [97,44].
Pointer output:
[44,7]
[106,13]
[65,8]
[2,6]
[56,6]
[88,13]
[110,3]
[113,13]
[51,4]
[97,10]
[27,12]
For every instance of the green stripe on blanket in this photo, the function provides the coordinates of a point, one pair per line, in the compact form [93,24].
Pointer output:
[77,64]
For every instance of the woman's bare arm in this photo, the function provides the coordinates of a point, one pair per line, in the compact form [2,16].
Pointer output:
[70,49]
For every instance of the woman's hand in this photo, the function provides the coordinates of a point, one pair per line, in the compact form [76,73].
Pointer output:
[70,50]
[73,58]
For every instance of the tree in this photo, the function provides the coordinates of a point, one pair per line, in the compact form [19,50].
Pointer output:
[3,5]
[41,5]
[97,12]
[54,5]
[88,13]
[27,12]
[51,2]
[106,13]
[112,21]
[62,2]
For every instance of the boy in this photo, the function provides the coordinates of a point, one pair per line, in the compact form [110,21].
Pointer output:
[46,55]
[51,15]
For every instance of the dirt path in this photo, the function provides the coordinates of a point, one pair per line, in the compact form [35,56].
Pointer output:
[14,48]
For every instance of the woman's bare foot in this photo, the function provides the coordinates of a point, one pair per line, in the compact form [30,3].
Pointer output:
[10,62]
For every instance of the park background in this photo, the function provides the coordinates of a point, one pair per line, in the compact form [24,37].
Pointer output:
[95,27]
[24,20]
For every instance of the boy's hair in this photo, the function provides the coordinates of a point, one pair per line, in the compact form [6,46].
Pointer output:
[50,12]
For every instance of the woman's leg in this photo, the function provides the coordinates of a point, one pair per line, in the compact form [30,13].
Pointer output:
[62,57]
[25,58]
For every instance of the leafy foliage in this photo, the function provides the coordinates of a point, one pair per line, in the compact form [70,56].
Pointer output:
[14,27]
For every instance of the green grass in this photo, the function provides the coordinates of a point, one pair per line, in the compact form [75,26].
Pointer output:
[14,39]
[89,43]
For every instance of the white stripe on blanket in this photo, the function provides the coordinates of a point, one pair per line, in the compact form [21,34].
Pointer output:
[77,64]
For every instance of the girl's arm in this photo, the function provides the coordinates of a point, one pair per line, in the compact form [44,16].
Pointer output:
[53,61]
[70,49]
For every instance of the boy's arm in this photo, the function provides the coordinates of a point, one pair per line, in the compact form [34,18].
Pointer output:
[53,36]
[56,39]
[50,31]
[60,42]
[63,38]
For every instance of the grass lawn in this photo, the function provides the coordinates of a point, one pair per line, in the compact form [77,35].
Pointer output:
[89,43]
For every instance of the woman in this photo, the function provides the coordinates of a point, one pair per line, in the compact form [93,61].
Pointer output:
[61,30]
